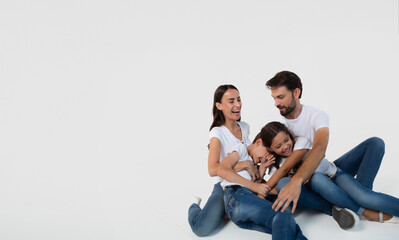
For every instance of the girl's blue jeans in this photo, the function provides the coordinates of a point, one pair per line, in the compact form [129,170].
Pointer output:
[345,191]
[363,161]
[249,211]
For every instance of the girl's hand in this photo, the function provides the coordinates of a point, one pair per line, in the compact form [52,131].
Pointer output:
[253,170]
[269,160]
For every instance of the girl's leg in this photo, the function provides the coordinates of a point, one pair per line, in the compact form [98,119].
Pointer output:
[323,185]
[204,222]
[365,197]
[251,212]
[363,161]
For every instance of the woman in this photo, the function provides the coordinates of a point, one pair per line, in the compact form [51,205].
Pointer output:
[329,181]
[225,132]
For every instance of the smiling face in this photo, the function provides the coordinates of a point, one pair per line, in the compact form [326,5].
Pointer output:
[259,152]
[284,99]
[230,105]
[282,144]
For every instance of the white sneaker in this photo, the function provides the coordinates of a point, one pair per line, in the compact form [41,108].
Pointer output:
[345,218]
[197,200]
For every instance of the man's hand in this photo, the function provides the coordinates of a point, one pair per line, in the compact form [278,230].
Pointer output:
[289,193]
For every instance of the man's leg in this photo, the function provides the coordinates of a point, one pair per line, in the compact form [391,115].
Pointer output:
[364,161]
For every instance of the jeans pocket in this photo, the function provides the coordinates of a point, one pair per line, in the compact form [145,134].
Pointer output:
[232,209]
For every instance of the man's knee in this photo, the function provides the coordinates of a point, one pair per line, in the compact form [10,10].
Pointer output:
[282,183]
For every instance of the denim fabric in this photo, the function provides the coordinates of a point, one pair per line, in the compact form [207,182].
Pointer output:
[363,161]
[206,221]
[248,211]
[348,190]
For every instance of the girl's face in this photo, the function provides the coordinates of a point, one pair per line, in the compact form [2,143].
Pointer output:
[230,105]
[282,144]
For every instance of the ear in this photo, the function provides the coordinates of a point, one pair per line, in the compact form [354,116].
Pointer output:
[259,141]
[219,106]
[297,92]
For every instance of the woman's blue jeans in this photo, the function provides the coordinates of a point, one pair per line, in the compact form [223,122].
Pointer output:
[205,221]
[345,191]
[363,161]
[249,211]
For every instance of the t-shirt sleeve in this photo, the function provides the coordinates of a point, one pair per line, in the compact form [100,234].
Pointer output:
[320,120]
[302,143]
[215,132]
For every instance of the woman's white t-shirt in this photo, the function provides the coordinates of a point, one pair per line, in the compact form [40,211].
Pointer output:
[228,141]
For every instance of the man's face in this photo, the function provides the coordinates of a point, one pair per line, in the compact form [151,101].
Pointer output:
[284,100]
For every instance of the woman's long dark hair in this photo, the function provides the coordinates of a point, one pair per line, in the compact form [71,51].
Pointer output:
[218,117]
[268,133]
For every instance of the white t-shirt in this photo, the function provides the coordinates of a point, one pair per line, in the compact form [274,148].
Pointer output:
[229,141]
[308,122]
[325,166]
[242,151]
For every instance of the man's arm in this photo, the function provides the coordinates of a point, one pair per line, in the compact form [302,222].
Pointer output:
[291,191]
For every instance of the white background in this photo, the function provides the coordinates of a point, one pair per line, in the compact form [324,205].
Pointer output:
[105,106]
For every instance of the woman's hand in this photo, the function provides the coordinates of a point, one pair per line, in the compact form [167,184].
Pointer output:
[268,161]
[261,189]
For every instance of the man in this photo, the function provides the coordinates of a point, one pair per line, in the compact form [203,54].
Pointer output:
[302,120]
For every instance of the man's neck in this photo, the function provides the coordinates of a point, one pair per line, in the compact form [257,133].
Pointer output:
[295,114]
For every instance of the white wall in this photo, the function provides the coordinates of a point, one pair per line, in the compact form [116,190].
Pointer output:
[105,103]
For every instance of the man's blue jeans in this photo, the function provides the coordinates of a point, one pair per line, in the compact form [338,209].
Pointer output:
[363,161]
[344,191]
[206,221]
[249,211]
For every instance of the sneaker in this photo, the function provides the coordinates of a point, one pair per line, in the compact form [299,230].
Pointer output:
[197,200]
[394,219]
[345,218]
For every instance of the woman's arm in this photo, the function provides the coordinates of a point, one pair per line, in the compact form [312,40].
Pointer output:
[213,161]
[295,157]
[226,171]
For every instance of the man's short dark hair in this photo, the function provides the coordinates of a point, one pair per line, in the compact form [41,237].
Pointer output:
[285,78]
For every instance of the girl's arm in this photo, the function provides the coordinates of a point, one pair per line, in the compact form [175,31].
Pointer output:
[226,171]
[295,157]
[214,164]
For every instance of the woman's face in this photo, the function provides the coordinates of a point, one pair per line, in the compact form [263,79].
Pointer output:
[230,105]
[282,144]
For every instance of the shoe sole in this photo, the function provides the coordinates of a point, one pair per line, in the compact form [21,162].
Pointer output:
[344,218]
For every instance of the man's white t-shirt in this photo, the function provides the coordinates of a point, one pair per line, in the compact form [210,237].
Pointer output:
[228,141]
[308,122]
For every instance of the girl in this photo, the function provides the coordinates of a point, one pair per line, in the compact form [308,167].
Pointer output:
[330,182]
[243,206]
[226,131]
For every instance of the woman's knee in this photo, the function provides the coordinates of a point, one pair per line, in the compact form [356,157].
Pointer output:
[377,143]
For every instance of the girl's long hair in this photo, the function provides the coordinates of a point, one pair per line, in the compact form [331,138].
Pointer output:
[218,117]
[268,133]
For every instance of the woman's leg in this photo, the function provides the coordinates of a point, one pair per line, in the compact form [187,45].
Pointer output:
[204,222]
[365,197]
[323,185]
[249,211]
[363,161]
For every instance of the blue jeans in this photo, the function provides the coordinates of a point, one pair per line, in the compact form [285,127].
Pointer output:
[206,221]
[364,161]
[345,191]
[249,211]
